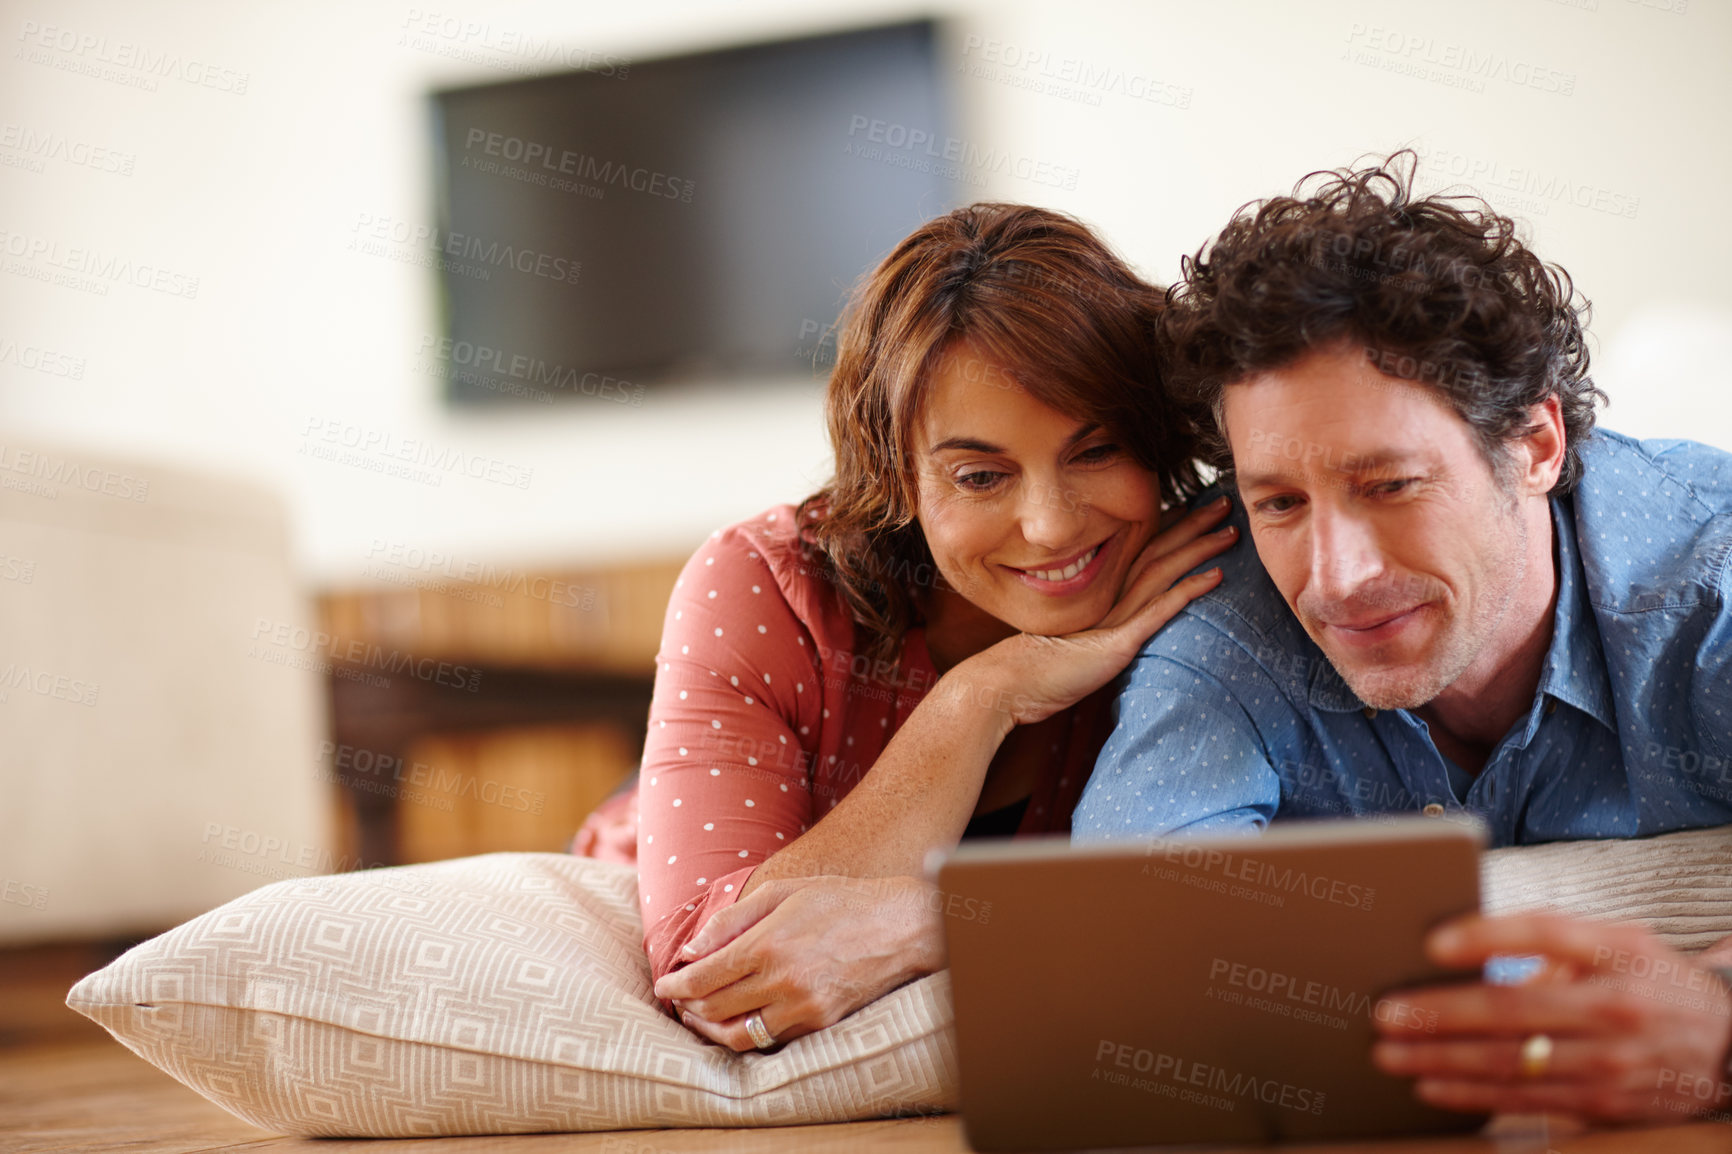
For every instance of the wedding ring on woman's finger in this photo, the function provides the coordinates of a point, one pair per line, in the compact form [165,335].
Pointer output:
[1536,1056]
[759,1033]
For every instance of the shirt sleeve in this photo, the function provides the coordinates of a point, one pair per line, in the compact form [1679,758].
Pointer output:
[1713,675]
[1184,756]
[725,776]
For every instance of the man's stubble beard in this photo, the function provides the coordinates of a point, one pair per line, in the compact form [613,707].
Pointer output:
[1461,643]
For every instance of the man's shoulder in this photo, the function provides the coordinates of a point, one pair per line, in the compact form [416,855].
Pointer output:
[1246,601]
[1696,476]
[1244,624]
[1653,521]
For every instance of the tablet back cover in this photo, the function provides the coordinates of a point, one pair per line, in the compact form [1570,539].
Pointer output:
[1216,989]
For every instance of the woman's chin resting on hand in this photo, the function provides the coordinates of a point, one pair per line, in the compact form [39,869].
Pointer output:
[928,639]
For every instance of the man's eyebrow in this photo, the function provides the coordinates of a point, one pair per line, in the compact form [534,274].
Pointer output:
[1374,461]
[970,444]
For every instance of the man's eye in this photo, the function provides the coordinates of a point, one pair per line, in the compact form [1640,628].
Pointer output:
[1274,506]
[1391,488]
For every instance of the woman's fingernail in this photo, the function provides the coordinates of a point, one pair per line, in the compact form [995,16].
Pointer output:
[1229,531]
[690,949]
[1447,940]
[1222,501]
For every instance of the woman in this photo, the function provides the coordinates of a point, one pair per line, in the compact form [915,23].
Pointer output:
[921,651]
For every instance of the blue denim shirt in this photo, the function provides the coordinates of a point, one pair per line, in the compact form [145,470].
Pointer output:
[1231,716]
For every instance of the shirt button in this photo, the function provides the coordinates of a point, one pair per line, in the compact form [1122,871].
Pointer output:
[1369,712]
[1552,705]
[1434,810]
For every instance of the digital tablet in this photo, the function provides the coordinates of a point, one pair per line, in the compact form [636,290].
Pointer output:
[1196,990]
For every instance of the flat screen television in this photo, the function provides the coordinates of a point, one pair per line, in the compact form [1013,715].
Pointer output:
[698,218]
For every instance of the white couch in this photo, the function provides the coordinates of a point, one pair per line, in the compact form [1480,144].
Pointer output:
[150,766]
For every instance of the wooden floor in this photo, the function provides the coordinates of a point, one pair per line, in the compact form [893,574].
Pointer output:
[65,1085]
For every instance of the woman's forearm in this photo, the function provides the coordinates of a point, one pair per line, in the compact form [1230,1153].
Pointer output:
[919,794]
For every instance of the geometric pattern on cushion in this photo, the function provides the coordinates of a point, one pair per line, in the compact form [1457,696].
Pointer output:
[509,994]
[501,994]
[1677,884]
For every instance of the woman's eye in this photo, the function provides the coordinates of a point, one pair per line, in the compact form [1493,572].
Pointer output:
[979,481]
[1098,453]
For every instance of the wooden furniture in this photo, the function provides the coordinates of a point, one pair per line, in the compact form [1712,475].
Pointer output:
[490,710]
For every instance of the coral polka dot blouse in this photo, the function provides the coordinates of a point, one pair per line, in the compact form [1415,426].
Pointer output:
[764,716]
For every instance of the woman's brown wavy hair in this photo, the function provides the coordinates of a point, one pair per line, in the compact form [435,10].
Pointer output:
[1049,309]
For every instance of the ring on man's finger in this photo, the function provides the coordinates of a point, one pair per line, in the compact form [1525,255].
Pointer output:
[758,1032]
[1536,1055]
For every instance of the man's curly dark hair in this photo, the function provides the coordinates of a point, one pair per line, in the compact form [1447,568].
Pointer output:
[1438,290]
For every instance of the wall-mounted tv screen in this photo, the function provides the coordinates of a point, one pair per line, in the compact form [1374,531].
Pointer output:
[697,218]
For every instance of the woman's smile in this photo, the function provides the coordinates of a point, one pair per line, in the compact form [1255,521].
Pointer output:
[1065,576]
[1033,516]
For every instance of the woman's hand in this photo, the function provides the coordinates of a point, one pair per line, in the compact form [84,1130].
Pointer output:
[1637,1031]
[1032,677]
[805,953]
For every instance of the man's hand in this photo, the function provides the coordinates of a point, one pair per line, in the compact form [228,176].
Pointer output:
[805,953]
[1638,1031]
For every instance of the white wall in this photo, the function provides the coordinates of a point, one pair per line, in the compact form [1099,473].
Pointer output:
[256,194]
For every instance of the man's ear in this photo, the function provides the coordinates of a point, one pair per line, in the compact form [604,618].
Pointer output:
[1542,450]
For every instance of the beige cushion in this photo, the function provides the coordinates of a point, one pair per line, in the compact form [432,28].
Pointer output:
[1679,884]
[506,993]
[509,993]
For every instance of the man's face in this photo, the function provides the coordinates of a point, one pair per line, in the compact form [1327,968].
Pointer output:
[1396,544]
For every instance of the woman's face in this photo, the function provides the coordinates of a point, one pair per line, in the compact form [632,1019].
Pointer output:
[1032,516]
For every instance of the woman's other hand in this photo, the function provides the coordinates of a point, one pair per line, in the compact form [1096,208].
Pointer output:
[805,953]
[1031,677]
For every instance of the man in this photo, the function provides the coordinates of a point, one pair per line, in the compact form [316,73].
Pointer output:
[1463,598]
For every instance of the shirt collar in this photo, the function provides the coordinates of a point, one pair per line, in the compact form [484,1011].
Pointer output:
[1575,668]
